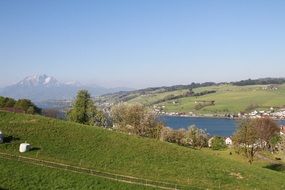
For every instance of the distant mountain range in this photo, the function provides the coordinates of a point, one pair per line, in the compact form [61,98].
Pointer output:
[43,87]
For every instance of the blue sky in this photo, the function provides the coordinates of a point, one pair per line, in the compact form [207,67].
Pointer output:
[140,43]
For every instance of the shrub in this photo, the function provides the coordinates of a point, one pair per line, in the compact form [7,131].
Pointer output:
[136,119]
[218,143]
[196,137]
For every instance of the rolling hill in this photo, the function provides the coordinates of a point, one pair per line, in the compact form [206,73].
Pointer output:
[232,99]
[216,99]
[109,151]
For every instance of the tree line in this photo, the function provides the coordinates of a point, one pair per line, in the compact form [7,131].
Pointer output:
[21,105]
[263,81]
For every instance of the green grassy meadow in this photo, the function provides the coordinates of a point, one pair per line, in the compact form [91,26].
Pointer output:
[110,151]
[228,99]
[151,98]
[18,175]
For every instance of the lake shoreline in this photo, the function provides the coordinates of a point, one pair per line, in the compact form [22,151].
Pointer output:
[213,117]
[215,126]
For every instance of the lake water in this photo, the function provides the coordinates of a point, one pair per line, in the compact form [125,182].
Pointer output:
[213,126]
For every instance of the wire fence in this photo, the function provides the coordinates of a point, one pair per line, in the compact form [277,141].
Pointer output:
[93,172]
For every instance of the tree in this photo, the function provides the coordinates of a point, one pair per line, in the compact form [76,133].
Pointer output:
[266,128]
[281,144]
[218,143]
[31,110]
[192,137]
[27,106]
[256,134]
[10,102]
[136,119]
[172,136]
[175,136]
[274,142]
[246,139]
[97,117]
[23,104]
[6,102]
[84,110]
[196,137]
[2,101]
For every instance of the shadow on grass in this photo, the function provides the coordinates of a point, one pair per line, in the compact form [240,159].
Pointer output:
[35,149]
[276,167]
[3,188]
[10,139]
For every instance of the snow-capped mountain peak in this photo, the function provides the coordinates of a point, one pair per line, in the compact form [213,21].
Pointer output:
[43,87]
[38,80]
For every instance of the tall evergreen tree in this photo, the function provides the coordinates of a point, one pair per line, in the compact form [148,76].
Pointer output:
[84,110]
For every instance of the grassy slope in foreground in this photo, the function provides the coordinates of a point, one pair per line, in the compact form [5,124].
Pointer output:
[120,153]
[18,175]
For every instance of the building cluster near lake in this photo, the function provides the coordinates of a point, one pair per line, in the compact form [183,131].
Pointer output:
[278,114]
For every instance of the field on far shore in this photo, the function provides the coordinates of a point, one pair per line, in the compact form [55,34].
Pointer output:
[227,99]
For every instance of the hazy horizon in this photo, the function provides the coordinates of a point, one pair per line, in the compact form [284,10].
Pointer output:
[140,44]
[96,84]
